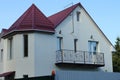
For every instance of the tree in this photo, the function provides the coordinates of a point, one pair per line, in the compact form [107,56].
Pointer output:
[116,56]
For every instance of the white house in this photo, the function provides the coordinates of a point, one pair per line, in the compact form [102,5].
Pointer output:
[69,40]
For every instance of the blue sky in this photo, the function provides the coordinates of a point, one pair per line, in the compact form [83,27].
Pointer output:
[105,13]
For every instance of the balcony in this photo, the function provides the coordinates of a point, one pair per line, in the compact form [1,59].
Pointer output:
[80,58]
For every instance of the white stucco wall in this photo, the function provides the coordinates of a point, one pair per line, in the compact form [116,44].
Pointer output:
[22,65]
[1,60]
[45,57]
[83,31]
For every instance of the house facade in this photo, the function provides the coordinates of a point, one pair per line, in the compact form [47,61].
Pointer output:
[69,40]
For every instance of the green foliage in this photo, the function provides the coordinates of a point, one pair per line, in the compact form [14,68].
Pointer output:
[116,56]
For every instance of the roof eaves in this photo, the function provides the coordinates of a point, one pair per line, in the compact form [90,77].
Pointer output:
[27,30]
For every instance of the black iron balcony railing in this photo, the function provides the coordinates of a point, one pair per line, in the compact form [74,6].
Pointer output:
[80,57]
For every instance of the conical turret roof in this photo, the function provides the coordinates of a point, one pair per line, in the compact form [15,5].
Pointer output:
[32,19]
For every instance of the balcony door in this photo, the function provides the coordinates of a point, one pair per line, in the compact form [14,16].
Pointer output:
[92,46]
[59,43]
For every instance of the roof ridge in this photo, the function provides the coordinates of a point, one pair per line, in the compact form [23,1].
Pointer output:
[43,14]
[33,16]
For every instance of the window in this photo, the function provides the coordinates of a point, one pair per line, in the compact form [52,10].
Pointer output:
[75,45]
[92,45]
[10,48]
[60,43]
[25,45]
[1,56]
[78,15]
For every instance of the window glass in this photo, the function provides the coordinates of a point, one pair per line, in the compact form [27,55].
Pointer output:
[78,15]
[25,45]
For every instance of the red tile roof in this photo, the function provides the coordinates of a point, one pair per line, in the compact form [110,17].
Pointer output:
[32,19]
[3,32]
[60,16]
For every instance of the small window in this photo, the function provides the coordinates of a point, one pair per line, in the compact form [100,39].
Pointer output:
[75,45]
[78,15]
[1,55]
[10,48]
[25,45]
